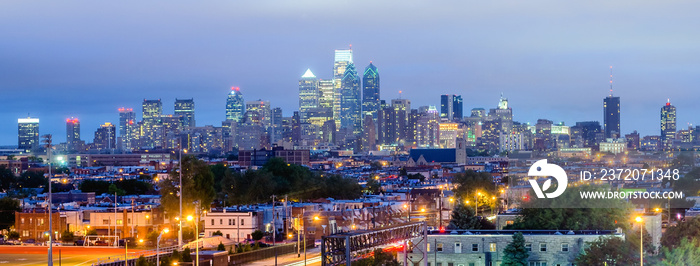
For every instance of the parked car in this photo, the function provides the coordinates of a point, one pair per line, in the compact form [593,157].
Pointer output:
[29,242]
[101,243]
[79,242]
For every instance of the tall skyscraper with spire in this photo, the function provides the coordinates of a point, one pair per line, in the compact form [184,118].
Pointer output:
[235,105]
[351,102]
[370,91]
[611,113]
[668,125]
[343,58]
[309,94]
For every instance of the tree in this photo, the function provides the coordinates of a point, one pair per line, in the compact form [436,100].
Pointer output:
[186,255]
[688,229]
[8,207]
[32,179]
[469,182]
[175,256]
[417,176]
[553,214]
[13,235]
[7,178]
[606,251]
[197,185]
[463,217]
[141,261]
[217,233]
[67,236]
[113,189]
[515,253]
[686,252]
[221,247]
[257,235]
[373,186]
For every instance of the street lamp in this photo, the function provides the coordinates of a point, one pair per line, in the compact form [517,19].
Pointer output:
[165,231]
[196,233]
[641,239]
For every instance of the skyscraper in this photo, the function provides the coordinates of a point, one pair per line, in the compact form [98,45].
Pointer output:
[668,125]
[351,105]
[28,134]
[72,133]
[185,108]
[451,107]
[152,109]
[263,109]
[370,91]
[235,106]
[611,116]
[401,120]
[309,94]
[127,120]
[105,137]
[343,58]
[151,133]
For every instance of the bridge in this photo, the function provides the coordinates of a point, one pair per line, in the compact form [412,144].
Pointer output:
[342,249]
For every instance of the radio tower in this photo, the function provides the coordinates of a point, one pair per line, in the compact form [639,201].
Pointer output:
[611,90]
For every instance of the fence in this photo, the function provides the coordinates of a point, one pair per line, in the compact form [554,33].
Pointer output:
[150,255]
[265,253]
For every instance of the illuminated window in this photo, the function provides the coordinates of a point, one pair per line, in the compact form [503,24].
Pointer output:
[119,221]
[492,247]
[438,247]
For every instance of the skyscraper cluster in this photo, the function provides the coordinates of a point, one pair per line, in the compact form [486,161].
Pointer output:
[346,112]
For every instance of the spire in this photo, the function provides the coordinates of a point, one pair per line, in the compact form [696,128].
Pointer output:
[611,89]
[308,74]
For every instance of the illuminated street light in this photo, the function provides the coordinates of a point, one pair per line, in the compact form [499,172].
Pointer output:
[641,239]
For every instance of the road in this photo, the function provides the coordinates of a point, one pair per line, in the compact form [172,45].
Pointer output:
[37,255]
[313,257]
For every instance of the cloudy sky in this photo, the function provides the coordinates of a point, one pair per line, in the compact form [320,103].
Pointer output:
[551,59]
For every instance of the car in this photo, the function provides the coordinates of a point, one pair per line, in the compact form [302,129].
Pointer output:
[79,242]
[101,243]
[55,244]
[29,242]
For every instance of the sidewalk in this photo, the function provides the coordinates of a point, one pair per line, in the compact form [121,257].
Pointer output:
[312,258]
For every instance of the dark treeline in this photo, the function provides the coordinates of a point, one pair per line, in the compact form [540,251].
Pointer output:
[277,177]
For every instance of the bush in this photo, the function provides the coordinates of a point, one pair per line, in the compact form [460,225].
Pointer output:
[221,247]
[186,257]
[67,236]
[257,235]
[13,235]
[218,233]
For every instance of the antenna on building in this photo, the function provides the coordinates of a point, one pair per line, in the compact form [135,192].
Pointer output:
[611,78]
[400,94]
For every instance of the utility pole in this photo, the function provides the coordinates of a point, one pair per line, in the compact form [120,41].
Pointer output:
[47,140]
[179,231]
[116,237]
[274,230]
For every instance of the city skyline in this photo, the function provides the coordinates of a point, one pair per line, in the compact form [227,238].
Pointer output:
[563,60]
